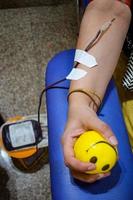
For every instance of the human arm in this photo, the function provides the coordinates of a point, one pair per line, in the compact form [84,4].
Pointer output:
[82,113]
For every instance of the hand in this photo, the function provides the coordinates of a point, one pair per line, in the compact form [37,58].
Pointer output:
[80,119]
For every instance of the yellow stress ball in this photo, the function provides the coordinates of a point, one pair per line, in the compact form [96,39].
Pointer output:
[92,147]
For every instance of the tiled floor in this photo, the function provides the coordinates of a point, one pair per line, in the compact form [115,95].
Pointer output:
[29,37]
[29,3]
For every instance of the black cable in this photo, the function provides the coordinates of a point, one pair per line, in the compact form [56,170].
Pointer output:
[52,86]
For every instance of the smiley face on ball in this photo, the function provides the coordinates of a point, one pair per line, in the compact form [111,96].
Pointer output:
[92,147]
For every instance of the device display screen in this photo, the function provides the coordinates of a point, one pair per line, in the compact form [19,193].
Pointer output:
[21,134]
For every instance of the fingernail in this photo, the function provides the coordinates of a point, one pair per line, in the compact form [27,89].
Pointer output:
[113,140]
[91,166]
[107,174]
[100,176]
[103,176]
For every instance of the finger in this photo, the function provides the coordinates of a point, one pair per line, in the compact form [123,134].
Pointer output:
[88,178]
[101,176]
[70,159]
[72,133]
[77,165]
[104,129]
[73,163]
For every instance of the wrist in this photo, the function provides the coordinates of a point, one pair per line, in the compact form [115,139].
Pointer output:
[78,99]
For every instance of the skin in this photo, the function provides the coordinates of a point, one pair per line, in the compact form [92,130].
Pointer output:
[107,52]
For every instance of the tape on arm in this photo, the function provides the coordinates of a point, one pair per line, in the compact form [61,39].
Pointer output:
[76,74]
[85,58]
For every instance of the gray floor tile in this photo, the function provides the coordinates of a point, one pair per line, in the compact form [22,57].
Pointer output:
[52,34]
[25,3]
[18,71]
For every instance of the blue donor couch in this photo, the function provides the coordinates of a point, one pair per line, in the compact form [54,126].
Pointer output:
[118,186]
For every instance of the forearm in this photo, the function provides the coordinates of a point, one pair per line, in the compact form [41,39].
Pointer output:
[107,49]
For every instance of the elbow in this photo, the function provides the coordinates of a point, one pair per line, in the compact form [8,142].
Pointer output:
[115,8]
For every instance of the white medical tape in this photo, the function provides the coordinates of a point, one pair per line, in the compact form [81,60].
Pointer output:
[76,74]
[85,58]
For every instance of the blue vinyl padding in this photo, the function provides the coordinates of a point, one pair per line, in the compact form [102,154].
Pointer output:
[85,3]
[118,186]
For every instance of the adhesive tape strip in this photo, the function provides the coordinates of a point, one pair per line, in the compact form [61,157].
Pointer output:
[85,58]
[76,74]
